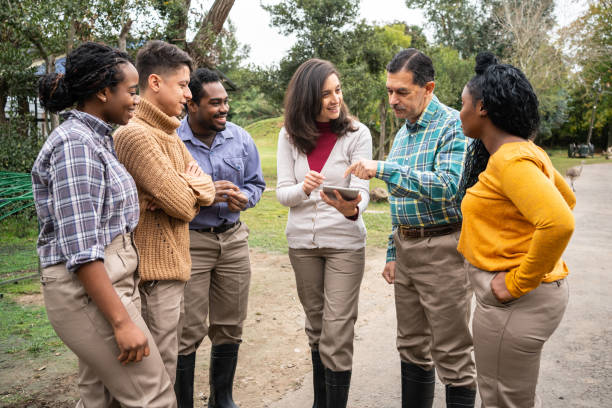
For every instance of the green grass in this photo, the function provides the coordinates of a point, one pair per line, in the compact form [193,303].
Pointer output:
[18,246]
[562,162]
[25,329]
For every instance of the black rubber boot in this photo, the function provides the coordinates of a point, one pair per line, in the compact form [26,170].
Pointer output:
[417,386]
[223,359]
[460,397]
[337,384]
[318,380]
[183,387]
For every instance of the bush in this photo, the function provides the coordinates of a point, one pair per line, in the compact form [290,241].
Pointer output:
[20,142]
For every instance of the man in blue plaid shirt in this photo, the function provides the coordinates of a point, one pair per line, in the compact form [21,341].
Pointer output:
[432,295]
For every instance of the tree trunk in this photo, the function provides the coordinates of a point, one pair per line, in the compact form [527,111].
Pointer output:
[125,30]
[210,27]
[70,36]
[3,100]
[50,68]
[593,117]
[382,110]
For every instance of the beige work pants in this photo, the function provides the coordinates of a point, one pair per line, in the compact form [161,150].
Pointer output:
[508,339]
[218,288]
[432,300]
[328,282]
[161,310]
[103,381]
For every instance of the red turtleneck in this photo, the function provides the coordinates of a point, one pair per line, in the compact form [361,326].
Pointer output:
[325,144]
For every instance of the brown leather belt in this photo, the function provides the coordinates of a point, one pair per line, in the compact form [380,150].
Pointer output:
[406,231]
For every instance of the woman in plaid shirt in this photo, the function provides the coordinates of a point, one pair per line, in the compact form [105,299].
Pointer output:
[87,208]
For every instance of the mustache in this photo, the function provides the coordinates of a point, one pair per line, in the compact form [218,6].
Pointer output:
[220,115]
[397,106]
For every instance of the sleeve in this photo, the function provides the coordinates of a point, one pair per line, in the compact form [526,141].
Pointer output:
[440,184]
[542,205]
[254,184]
[77,184]
[204,186]
[391,245]
[362,150]
[565,190]
[288,191]
[174,192]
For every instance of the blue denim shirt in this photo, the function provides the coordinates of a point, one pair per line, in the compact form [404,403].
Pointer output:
[233,156]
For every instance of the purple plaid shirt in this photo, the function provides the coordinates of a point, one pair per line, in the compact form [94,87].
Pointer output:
[84,197]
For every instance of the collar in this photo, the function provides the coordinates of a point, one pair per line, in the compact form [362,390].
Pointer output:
[186,134]
[426,115]
[96,124]
[151,114]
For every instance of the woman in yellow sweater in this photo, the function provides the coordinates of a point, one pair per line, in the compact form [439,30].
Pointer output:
[517,222]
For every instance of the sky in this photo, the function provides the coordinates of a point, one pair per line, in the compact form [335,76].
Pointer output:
[268,46]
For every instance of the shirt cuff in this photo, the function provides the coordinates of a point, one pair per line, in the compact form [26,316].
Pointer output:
[514,290]
[353,217]
[380,169]
[391,255]
[94,253]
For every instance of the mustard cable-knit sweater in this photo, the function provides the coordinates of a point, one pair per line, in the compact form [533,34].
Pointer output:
[152,152]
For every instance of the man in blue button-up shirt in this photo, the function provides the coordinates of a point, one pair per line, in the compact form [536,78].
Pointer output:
[221,269]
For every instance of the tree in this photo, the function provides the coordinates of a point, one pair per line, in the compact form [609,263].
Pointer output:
[467,26]
[529,24]
[451,74]
[208,27]
[589,41]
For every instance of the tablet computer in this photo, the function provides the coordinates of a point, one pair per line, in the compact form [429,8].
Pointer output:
[349,194]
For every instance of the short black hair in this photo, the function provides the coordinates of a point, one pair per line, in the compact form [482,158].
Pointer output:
[413,60]
[90,68]
[159,57]
[199,78]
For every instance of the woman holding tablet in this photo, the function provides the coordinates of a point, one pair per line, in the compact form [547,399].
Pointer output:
[326,237]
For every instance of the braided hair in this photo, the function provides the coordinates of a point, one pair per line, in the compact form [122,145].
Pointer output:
[90,68]
[511,105]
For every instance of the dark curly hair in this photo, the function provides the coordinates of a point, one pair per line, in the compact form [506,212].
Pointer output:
[199,78]
[511,105]
[90,68]
[303,104]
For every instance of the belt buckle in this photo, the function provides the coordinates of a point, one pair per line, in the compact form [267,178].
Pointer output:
[422,232]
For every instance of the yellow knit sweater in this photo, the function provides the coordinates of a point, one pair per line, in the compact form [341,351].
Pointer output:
[152,152]
[517,218]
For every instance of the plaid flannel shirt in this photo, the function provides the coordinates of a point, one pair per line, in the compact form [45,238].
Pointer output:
[423,170]
[84,197]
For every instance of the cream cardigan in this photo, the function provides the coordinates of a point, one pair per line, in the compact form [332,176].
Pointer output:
[312,223]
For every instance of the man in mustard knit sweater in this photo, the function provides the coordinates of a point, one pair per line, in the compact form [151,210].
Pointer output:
[171,189]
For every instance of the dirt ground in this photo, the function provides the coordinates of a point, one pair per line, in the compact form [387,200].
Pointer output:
[274,364]
[274,356]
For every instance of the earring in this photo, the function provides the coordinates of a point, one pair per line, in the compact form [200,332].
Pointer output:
[104,100]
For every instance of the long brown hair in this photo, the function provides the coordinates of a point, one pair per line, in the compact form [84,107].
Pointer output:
[303,104]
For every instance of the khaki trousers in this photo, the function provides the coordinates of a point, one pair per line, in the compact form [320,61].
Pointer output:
[218,288]
[432,300]
[508,339]
[328,282]
[103,381]
[161,310]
